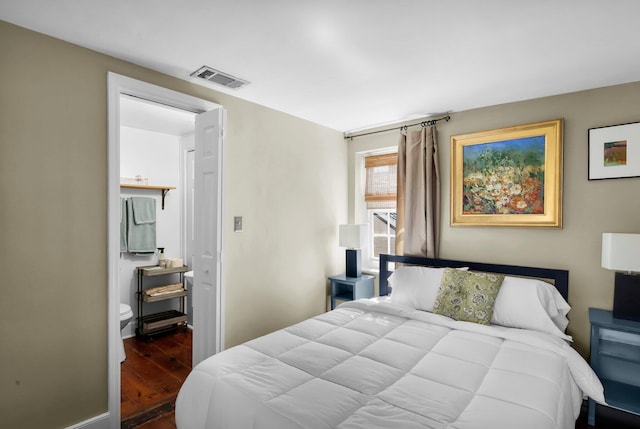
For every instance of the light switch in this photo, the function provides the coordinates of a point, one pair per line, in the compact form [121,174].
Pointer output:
[237,224]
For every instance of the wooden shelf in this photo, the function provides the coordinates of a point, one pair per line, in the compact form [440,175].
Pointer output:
[154,270]
[153,322]
[164,297]
[162,189]
[136,186]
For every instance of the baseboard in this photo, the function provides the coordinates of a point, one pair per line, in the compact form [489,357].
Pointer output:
[98,422]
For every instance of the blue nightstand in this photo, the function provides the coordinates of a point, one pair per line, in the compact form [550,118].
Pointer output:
[350,288]
[615,357]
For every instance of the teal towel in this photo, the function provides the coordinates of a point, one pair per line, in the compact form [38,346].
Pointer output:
[141,237]
[123,224]
[144,210]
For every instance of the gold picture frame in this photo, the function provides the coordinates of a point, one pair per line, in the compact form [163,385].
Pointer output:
[508,177]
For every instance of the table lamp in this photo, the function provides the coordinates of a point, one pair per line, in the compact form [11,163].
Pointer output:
[621,253]
[353,237]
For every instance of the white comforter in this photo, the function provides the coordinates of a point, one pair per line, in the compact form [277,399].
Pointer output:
[371,364]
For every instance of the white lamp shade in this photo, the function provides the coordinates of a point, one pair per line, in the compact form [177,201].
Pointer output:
[353,236]
[621,252]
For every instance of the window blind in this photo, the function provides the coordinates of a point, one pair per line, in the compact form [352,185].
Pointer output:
[382,182]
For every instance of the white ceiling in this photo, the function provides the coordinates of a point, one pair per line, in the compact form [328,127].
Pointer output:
[351,64]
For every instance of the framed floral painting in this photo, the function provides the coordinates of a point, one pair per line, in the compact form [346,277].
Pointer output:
[508,176]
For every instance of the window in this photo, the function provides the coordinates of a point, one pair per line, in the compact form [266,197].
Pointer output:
[380,198]
[382,224]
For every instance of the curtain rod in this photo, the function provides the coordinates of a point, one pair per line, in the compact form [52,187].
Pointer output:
[428,123]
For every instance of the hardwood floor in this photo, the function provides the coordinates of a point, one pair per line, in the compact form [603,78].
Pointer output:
[151,377]
[154,371]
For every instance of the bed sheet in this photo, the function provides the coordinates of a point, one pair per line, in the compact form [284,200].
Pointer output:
[371,364]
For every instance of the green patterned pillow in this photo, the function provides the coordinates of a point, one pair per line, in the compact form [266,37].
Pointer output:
[467,295]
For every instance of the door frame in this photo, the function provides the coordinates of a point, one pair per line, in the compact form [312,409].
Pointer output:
[187,145]
[116,85]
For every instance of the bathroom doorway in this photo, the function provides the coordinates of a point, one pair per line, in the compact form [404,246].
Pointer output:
[156,145]
[156,149]
[207,280]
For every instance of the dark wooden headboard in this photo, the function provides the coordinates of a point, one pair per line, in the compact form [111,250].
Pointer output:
[560,277]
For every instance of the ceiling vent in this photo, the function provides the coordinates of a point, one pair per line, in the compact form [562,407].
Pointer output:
[216,76]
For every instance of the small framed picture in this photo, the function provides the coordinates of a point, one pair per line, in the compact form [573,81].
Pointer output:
[614,151]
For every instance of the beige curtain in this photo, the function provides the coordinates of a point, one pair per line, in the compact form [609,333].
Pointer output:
[418,197]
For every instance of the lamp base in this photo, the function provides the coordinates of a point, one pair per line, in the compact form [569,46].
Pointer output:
[353,263]
[626,297]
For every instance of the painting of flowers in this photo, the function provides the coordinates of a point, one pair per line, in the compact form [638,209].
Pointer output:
[504,177]
[508,176]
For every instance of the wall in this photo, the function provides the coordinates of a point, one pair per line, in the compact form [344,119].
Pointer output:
[155,156]
[286,176]
[590,207]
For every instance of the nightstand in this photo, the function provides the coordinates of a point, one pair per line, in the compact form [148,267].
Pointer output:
[615,357]
[350,288]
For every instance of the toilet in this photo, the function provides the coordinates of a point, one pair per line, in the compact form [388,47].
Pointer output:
[125,317]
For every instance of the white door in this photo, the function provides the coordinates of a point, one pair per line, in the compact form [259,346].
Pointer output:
[207,256]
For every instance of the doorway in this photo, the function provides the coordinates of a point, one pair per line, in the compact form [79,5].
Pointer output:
[207,280]
[152,138]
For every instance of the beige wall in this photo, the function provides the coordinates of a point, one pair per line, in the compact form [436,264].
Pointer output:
[286,177]
[590,207]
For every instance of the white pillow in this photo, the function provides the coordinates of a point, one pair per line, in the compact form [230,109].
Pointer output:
[531,304]
[415,286]
[521,303]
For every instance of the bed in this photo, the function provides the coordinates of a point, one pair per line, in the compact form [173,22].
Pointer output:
[397,361]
